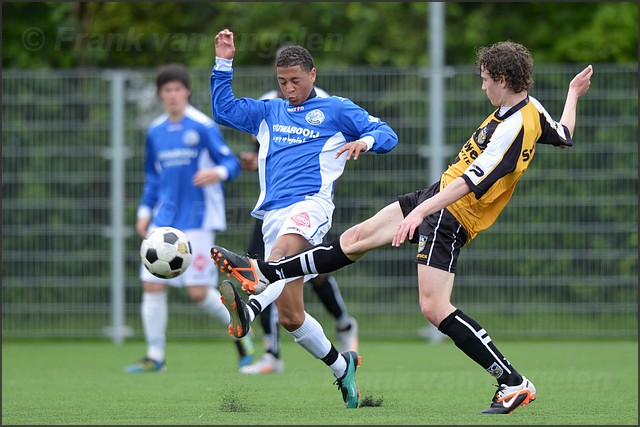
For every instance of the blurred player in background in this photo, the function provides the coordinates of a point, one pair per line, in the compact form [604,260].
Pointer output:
[441,219]
[186,161]
[324,285]
[305,142]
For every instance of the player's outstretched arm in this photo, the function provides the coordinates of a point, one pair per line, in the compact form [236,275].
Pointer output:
[244,114]
[578,87]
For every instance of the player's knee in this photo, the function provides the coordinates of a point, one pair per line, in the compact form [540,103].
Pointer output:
[290,320]
[351,241]
[436,312]
[430,312]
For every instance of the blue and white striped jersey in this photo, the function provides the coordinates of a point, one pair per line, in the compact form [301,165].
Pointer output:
[174,152]
[298,144]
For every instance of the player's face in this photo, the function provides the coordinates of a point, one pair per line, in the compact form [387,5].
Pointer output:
[494,89]
[175,97]
[295,83]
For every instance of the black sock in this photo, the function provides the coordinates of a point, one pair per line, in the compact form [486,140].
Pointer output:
[323,258]
[255,307]
[265,319]
[475,342]
[329,293]
[331,357]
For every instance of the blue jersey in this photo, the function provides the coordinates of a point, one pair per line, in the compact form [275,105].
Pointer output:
[298,144]
[174,152]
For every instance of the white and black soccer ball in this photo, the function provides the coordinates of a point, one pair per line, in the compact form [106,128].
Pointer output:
[166,252]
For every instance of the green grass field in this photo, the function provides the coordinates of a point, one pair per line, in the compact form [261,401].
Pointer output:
[67,382]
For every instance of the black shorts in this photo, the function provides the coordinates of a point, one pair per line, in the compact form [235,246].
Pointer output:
[439,237]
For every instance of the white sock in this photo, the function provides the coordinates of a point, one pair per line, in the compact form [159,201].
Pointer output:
[212,305]
[311,337]
[339,367]
[269,295]
[154,313]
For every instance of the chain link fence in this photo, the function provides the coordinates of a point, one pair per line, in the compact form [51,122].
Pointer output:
[561,261]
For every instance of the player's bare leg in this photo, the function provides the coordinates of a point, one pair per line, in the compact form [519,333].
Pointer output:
[376,232]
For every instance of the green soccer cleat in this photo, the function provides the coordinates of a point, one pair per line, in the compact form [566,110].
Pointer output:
[244,361]
[246,350]
[347,383]
[146,365]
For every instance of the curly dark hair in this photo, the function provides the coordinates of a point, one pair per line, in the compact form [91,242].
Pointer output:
[290,56]
[508,59]
[172,73]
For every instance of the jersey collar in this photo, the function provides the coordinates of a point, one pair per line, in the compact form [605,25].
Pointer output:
[512,110]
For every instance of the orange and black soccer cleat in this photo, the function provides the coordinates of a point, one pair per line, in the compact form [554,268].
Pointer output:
[238,311]
[244,269]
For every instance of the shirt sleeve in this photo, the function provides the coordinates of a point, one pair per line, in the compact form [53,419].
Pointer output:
[378,135]
[553,133]
[221,153]
[149,196]
[244,114]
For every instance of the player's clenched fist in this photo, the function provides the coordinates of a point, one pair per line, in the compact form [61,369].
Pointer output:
[224,44]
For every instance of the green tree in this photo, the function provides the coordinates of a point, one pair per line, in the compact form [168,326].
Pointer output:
[554,32]
[113,34]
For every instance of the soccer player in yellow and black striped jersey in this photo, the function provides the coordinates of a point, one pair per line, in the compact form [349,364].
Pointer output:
[441,219]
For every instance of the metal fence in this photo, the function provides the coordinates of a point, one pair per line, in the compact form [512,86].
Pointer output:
[561,261]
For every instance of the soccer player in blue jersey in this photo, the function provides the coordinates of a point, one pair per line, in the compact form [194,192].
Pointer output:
[186,161]
[442,219]
[324,285]
[305,142]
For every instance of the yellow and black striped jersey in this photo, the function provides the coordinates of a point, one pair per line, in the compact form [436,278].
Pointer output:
[495,157]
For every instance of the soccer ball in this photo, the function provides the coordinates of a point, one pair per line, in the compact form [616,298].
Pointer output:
[166,252]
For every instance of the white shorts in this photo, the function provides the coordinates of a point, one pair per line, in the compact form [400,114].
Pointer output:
[310,218]
[202,270]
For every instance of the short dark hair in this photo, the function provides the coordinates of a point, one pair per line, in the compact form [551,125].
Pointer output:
[290,56]
[172,73]
[508,59]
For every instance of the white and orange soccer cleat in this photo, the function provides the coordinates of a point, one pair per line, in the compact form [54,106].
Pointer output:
[508,398]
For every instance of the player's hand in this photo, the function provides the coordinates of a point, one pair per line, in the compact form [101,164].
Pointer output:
[205,177]
[141,226]
[353,149]
[581,82]
[407,228]
[249,160]
[225,47]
